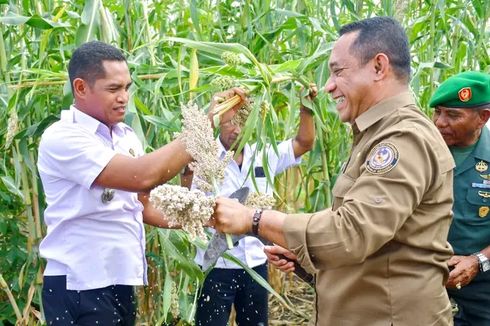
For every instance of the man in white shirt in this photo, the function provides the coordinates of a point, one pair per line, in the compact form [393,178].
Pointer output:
[96,179]
[228,284]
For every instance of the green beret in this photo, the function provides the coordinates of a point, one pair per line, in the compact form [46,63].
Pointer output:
[468,89]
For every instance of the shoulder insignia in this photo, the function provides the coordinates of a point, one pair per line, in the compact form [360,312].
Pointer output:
[382,158]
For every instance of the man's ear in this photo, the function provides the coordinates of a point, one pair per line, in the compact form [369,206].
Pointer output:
[381,64]
[79,88]
[484,115]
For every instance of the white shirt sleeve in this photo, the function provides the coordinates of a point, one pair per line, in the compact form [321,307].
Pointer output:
[76,155]
[284,158]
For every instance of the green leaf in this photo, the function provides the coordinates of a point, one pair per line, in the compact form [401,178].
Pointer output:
[195,17]
[39,22]
[257,278]
[90,20]
[13,19]
[167,294]
[10,184]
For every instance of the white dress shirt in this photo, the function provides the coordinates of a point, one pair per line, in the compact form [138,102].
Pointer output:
[95,244]
[250,249]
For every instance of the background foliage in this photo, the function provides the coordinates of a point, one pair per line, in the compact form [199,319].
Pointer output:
[174,52]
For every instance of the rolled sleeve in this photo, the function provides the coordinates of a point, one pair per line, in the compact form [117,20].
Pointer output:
[285,158]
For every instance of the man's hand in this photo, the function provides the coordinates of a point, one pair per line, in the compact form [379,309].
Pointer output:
[307,97]
[274,256]
[231,217]
[221,97]
[465,270]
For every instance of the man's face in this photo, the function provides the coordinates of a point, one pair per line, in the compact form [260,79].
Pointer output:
[458,127]
[107,98]
[229,132]
[350,84]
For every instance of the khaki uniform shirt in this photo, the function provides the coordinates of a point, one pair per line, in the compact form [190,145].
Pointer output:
[380,253]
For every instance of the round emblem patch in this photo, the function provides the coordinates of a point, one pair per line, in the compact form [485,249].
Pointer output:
[382,158]
[464,94]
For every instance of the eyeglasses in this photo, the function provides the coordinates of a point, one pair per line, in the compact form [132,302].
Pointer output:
[229,123]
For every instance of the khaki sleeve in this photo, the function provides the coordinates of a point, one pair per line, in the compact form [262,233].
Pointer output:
[373,209]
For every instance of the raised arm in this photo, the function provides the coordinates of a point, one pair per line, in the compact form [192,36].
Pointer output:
[305,137]
[144,173]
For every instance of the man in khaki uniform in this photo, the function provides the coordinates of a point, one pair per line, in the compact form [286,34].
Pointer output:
[380,253]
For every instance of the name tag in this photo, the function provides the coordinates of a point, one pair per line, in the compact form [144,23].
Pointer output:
[480,185]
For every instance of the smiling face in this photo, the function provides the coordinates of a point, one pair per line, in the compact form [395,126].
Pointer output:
[459,127]
[106,99]
[350,83]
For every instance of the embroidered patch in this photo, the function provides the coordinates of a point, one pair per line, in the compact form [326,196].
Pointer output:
[464,94]
[382,158]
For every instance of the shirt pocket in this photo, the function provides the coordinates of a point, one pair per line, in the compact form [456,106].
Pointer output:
[343,184]
[475,199]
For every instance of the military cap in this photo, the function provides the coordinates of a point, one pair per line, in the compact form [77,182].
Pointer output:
[470,89]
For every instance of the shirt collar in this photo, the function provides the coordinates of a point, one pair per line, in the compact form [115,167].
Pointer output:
[382,109]
[89,123]
[222,150]
[481,150]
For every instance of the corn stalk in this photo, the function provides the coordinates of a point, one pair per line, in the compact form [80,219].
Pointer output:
[284,44]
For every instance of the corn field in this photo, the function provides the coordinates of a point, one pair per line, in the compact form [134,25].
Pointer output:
[179,51]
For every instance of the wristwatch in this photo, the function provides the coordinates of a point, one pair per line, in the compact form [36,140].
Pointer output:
[255,221]
[483,261]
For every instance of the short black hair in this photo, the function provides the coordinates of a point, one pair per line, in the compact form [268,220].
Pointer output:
[87,61]
[381,35]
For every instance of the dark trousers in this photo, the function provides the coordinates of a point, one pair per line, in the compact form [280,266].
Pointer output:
[112,305]
[225,287]
[473,302]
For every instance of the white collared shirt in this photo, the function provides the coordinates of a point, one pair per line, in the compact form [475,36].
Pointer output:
[250,249]
[95,244]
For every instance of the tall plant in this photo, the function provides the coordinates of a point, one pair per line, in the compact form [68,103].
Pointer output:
[284,44]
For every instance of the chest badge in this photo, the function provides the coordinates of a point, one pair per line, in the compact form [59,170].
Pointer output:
[484,194]
[382,158]
[131,152]
[107,195]
[483,211]
[481,166]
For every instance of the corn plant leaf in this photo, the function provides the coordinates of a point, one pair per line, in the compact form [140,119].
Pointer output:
[39,22]
[167,293]
[257,278]
[219,48]
[10,184]
[183,261]
[13,19]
